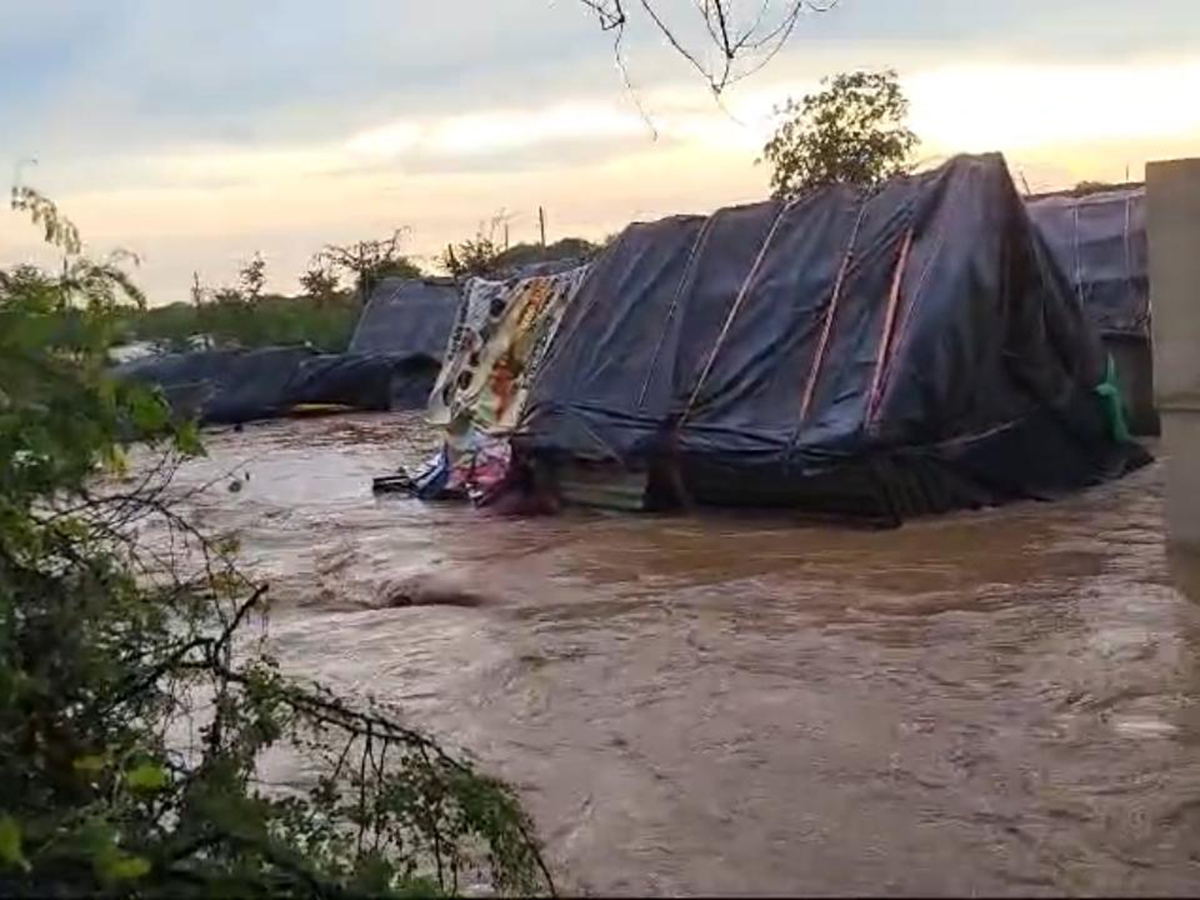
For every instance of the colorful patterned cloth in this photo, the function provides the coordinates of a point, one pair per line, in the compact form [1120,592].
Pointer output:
[499,338]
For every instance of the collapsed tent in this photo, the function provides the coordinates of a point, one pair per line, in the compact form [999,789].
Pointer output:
[231,386]
[499,337]
[889,353]
[1099,242]
[391,363]
[407,317]
[369,381]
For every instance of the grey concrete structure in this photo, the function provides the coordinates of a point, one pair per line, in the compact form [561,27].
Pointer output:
[1173,221]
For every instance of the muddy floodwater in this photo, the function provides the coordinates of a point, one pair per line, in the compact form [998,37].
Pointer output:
[1000,702]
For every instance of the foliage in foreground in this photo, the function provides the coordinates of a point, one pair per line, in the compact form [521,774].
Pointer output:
[137,711]
[851,132]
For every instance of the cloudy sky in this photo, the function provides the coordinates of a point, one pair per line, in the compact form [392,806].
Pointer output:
[197,133]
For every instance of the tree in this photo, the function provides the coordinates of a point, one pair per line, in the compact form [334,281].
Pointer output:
[228,296]
[483,256]
[569,248]
[852,132]
[113,648]
[477,256]
[319,283]
[199,293]
[370,261]
[745,37]
[252,278]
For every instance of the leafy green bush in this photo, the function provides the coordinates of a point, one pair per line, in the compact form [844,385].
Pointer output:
[135,710]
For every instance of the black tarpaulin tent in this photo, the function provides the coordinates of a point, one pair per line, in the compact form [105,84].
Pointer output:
[230,386]
[886,353]
[407,317]
[1099,242]
[391,363]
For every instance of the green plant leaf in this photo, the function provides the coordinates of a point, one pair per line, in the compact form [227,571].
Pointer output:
[92,763]
[122,867]
[187,440]
[10,844]
[146,777]
[97,839]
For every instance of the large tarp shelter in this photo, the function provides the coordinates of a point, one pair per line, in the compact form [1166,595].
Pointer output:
[407,317]
[1099,242]
[885,353]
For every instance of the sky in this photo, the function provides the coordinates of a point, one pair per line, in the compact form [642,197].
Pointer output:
[196,134]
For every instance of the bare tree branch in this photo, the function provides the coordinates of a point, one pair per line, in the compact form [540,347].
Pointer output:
[744,44]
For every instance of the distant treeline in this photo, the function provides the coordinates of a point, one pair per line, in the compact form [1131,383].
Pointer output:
[325,312]
[326,323]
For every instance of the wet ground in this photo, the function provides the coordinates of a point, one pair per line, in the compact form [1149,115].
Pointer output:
[1001,702]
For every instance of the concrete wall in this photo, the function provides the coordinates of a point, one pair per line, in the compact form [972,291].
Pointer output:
[1173,224]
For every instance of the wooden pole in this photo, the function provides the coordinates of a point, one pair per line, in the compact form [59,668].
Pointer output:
[542,224]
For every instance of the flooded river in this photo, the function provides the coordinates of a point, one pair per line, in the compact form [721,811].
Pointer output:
[994,702]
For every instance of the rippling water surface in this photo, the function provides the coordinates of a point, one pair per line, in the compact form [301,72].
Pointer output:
[994,702]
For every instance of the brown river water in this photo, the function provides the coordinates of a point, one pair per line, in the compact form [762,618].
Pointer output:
[996,702]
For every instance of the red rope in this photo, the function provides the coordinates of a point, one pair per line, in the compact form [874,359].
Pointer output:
[733,311]
[889,325]
[830,311]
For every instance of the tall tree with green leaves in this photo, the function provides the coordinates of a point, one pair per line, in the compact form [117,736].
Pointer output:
[852,131]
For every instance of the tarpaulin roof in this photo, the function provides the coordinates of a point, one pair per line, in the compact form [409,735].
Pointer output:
[897,351]
[242,385]
[1099,242]
[405,317]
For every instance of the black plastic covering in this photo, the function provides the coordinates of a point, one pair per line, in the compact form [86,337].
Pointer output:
[546,267]
[893,353]
[373,381]
[407,317]
[392,363]
[1099,242]
[231,386]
